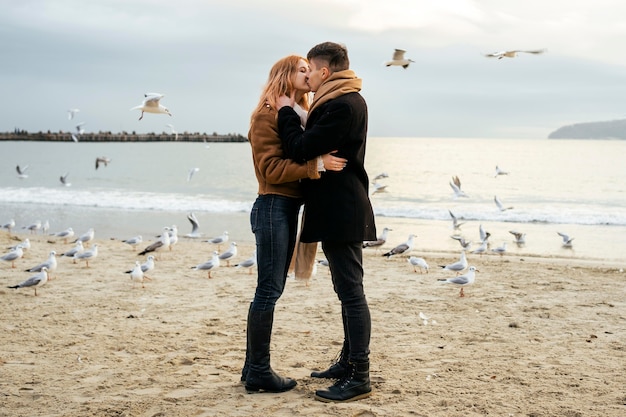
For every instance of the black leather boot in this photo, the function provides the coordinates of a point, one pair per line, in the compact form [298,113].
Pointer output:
[261,377]
[338,369]
[246,363]
[355,386]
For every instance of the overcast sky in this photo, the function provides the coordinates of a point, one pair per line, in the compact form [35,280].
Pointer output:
[211,58]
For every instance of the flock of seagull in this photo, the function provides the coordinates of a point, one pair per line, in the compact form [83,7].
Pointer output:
[138,273]
[399,60]
[467,278]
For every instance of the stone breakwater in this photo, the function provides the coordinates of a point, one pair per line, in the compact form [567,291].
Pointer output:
[122,137]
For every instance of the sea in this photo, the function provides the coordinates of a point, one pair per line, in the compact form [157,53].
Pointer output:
[576,187]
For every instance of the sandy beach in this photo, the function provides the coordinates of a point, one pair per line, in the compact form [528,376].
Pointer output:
[532,337]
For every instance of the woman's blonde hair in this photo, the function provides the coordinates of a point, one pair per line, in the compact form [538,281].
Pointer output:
[281,82]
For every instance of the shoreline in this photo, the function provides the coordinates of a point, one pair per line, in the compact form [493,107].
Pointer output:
[121,137]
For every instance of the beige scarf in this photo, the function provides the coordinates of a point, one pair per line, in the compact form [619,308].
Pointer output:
[338,84]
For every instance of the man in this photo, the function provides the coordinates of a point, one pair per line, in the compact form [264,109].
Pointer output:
[338,211]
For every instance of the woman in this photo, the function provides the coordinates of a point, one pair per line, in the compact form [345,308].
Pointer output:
[274,215]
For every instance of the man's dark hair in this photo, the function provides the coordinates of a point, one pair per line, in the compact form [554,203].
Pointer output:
[334,54]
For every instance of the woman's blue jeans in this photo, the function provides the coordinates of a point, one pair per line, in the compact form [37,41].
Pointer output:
[274,222]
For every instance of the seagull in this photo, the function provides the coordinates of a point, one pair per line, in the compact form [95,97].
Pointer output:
[481,249]
[65,234]
[455,222]
[499,204]
[461,280]
[378,188]
[25,244]
[567,241]
[456,187]
[399,60]
[229,254]
[21,171]
[405,247]
[45,227]
[147,266]
[78,247]
[151,105]
[500,250]
[35,281]
[133,241]
[50,264]
[499,171]
[63,179]
[79,132]
[213,263]
[191,172]
[87,255]
[194,226]
[520,238]
[10,225]
[457,266]
[219,240]
[378,242]
[174,132]
[87,236]
[248,263]
[484,236]
[465,244]
[136,274]
[13,255]
[71,113]
[418,263]
[102,160]
[513,53]
[33,227]
[160,244]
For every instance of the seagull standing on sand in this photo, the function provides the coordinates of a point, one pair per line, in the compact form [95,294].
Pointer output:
[78,247]
[133,241]
[378,242]
[455,184]
[195,226]
[248,263]
[457,266]
[163,242]
[13,255]
[420,263]
[481,249]
[405,247]
[500,250]
[513,53]
[209,265]
[136,274]
[219,240]
[567,241]
[35,281]
[461,280]
[87,236]
[151,105]
[399,60]
[33,227]
[50,264]
[87,255]
[65,234]
[21,171]
[10,225]
[24,244]
[229,254]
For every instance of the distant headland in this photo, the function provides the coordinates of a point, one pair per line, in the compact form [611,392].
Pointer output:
[612,129]
[121,137]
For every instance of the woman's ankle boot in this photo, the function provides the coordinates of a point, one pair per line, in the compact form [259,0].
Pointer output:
[354,386]
[338,369]
[260,376]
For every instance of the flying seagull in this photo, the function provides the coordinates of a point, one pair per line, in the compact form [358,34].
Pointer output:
[21,171]
[455,184]
[513,53]
[71,113]
[151,105]
[102,160]
[399,59]
[499,204]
